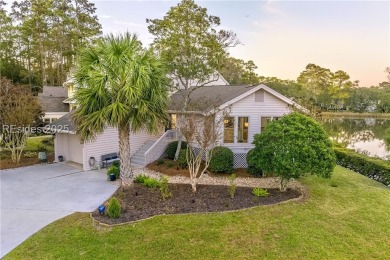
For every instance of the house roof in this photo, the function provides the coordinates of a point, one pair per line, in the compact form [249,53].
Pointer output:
[64,124]
[203,99]
[206,99]
[53,104]
[49,91]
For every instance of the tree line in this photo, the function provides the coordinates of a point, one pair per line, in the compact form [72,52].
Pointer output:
[39,39]
[316,88]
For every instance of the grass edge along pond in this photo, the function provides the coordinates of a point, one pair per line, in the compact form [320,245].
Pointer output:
[346,216]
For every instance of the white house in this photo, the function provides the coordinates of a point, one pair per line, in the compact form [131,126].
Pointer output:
[251,108]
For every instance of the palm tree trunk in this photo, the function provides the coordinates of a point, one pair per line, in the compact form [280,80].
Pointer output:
[124,152]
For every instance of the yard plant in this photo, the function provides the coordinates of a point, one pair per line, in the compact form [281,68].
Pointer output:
[114,208]
[222,160]
[331,224]
[293,146]
[120,84]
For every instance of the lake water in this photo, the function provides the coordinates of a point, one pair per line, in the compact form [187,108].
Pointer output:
[361,134]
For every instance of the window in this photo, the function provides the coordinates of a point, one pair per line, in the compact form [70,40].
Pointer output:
[259,96]
[265,120]
[243,126]
[173,121]
[228,130]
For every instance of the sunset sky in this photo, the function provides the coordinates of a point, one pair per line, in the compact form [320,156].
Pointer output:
[282,37]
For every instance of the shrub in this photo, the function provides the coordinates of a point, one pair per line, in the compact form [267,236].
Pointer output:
[293,146]
[160,162]
[170,164]
[373,168]
[164,189]
[114,208]
[259,192]
[233,186]
[113,169]
[182,160]
[151,183]
[171,149]
[147,181]
[140,178]
[222,160]
[117,164]
[253,169]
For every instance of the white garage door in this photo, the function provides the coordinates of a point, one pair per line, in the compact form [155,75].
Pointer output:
[75,149]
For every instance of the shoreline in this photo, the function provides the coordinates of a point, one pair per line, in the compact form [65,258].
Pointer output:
[356,115]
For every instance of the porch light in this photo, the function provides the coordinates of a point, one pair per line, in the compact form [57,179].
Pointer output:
[246,124]
[226,121]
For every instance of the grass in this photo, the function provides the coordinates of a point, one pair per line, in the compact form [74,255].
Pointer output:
[346,217]
[33,143]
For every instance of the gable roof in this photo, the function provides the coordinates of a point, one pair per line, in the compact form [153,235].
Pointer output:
[64,124]
[53,104]
[49,91]
[205,99]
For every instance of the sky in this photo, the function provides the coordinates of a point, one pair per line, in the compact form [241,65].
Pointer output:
[282,37]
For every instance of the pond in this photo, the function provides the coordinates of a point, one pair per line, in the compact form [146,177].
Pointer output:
[366,135]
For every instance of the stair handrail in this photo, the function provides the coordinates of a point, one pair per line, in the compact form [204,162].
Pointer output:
[158,142]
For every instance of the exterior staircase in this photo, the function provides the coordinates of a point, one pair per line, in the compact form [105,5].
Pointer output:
[139,157]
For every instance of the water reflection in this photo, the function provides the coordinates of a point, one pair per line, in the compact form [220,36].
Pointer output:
[361,134]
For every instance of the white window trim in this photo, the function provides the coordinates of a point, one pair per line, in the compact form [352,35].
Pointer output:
[235,135]
[271,116]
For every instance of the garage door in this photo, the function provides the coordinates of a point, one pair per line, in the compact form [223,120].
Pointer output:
[75,149]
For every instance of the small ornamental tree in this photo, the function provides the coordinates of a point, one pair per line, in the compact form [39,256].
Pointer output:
[293,146]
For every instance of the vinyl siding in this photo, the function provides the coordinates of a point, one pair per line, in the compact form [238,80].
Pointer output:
[108,142]
[105,143]
[69,146]
[247,107]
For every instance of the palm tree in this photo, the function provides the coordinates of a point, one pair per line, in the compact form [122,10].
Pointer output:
[122,85]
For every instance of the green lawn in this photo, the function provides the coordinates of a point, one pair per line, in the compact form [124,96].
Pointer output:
[33,143]
[350,221]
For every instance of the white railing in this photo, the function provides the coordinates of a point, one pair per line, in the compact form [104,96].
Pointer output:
[159,147]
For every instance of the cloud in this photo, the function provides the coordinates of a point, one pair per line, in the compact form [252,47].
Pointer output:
[272,8]
[104,16]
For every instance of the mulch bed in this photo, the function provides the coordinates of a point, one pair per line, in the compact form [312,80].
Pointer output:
[7,163]
[139,202]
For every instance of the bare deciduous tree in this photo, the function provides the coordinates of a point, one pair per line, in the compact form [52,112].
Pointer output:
[203,132]
[19,111]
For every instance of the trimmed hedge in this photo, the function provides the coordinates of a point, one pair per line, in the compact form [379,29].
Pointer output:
[252,168]
[373,168]
[171,149]
[222,160]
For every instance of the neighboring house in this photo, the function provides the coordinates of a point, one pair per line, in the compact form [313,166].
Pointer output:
[214,80]
[51,100]
[251,108]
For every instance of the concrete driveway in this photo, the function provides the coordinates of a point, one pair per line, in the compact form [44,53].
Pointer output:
[33,197]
